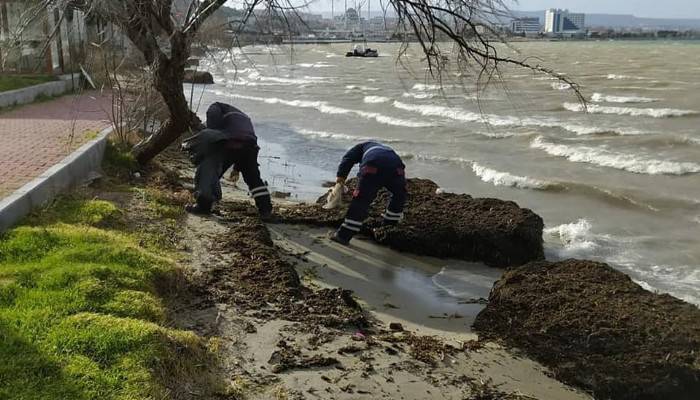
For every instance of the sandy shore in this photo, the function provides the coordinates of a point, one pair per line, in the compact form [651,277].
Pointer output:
[430,353]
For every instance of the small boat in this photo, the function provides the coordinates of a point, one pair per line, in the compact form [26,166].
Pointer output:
[361,51]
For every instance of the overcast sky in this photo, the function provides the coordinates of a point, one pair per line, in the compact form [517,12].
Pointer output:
[640,8]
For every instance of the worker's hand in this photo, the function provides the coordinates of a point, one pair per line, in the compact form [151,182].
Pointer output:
[341,180]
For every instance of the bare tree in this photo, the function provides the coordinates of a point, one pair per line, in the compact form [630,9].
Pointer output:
[163,31]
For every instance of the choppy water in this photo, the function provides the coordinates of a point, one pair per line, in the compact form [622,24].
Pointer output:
[620,183]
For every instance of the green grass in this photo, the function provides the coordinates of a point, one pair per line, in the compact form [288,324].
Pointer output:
[81,313]
[13,82]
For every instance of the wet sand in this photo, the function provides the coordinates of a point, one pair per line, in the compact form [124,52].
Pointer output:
[396,287]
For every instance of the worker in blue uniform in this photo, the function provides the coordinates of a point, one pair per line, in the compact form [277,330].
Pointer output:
[380,167]
[229,139]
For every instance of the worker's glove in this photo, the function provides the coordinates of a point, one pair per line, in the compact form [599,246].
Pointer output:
[335,196]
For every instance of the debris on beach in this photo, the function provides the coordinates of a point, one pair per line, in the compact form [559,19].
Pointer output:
[597,329]
[289,357]
[496,232]
[259,278]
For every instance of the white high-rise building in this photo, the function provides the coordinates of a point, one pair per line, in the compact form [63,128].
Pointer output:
[562,21]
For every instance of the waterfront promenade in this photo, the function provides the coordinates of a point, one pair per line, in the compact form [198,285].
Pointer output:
[37,136]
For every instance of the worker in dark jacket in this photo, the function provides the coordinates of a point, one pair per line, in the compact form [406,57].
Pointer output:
[229,139]
[380,167]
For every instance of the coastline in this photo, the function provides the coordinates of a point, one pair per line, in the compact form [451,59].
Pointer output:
[395,310]
[433,352]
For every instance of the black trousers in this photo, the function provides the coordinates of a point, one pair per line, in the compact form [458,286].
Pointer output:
[371,179]
[207,178]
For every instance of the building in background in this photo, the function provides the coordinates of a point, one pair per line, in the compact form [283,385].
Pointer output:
[526,26]
[563,22]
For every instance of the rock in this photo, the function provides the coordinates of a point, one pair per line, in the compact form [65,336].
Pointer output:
[395,326]
[202,77]
[597,329]
[496,232]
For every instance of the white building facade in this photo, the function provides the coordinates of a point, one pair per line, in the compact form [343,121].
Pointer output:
[562,21]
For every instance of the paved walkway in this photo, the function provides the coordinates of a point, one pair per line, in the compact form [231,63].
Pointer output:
[35,137]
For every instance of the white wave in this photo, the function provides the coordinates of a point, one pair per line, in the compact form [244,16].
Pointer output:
[578,240]
[419,96]
[436,158]
[319,64]
[501,135]
[233,71]
[362,88]
[422,87]
[306,80]
[376,99]
[624,77]
[459,114]
[662,89]
[231,83]
[571,240]
[326,108]
[499,178]
[622,161]
[561,86]
[601,98]
[343,136]
[635,112]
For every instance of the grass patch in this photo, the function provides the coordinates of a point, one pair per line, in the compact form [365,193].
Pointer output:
[14,82]
[82,313]
[118,161]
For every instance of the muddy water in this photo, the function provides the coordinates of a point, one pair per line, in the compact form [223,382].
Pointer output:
[619,184]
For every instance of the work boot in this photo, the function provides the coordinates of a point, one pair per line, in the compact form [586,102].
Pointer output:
[333,236]
[197,209]
[267,216]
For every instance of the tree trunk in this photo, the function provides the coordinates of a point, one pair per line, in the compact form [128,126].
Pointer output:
[169,77]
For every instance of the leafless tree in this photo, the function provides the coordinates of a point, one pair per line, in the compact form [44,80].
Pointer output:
[163,31]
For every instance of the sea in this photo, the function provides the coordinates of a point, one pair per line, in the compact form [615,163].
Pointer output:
[615,180]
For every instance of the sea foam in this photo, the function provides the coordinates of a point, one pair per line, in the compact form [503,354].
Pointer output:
[571,240]
[561,86]
[623,161]
[601,98]
[306,80]
[326,108]
[499,178]
[362,88]
[462,115]
[343,136]
[376,99]
[635,112]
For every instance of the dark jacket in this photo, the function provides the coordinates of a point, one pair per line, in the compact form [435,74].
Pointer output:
[231,120]
[227,127]
[204,143]
[372,154]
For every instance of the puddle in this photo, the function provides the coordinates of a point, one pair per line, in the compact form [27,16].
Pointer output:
[427,295]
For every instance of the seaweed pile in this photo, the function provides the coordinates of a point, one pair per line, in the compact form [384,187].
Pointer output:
[496,232]
[597,329]
[258,278]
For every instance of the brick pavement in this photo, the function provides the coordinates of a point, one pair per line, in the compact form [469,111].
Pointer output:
[35,137]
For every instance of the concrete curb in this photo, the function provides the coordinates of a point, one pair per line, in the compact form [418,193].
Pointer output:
[27,95]
[68,173]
